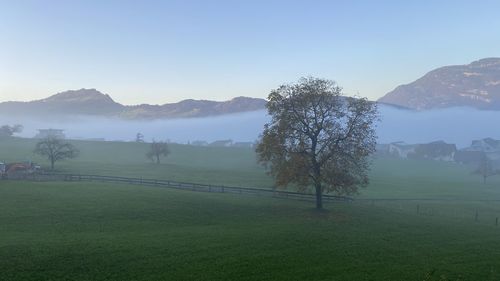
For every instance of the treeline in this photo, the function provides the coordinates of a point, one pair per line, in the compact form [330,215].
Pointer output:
[9,131]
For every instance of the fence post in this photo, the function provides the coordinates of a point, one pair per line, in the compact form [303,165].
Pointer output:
[418,208]
[477,215]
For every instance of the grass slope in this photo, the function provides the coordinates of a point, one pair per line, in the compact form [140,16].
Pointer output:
[215,165]
[76,231]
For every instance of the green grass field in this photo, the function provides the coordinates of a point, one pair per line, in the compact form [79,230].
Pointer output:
[95,231]
[230,166]
[78,231]
[390,178]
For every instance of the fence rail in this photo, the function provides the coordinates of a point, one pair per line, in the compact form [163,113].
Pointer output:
[424,200]
[477,210]
[181,185]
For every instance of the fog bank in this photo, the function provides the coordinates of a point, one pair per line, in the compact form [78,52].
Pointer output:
[238,127]
[453,125]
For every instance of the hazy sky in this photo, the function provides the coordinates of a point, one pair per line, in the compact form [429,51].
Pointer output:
[165,51]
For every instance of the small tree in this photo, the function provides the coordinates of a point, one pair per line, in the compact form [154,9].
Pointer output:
[157,150]
[486,168]
[8,131]
[139,137]
[317,137]
[55,149]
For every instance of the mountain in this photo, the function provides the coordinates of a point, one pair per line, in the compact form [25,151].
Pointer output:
[193,108]
[475,85]
[83,101]
[95,103]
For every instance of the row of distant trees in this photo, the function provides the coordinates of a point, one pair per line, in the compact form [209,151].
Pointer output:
[8,131]
[55,149]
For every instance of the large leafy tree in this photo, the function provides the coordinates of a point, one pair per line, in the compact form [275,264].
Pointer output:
[55,149]
[318,137]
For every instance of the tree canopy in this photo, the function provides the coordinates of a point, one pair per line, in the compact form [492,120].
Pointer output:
[8,131]
[157,150]
[318,137]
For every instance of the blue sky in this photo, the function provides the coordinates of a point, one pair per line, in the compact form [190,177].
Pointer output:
[166,51]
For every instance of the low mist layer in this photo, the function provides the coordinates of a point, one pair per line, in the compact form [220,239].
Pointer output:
[238,127]
[454,125]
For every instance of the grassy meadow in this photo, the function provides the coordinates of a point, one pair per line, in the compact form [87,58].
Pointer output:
[230,166]
[92,231]
[96,231]
[390,178]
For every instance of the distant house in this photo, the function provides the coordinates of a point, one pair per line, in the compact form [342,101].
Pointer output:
[222,143]
[490,147]
[479,148]
[382,149]
[438,150]
[44,133]
[401,149]
[485,145]
[3,169]
[469,157]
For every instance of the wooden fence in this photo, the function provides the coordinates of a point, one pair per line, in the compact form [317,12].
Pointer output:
[419,206]
[182,185]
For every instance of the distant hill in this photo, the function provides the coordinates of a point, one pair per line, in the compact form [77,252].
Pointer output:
[475,85]
[93,102]
[84,101]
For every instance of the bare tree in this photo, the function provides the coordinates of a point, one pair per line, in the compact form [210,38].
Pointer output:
[55,149]
[156,150]
[486,168]
[8,131]
[317,137]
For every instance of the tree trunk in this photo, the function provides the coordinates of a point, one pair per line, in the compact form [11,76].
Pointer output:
[317,174]
[157,159]
[319,196]
[52,164]
[484,179]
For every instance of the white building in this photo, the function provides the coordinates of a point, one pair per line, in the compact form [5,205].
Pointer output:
[401,149]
